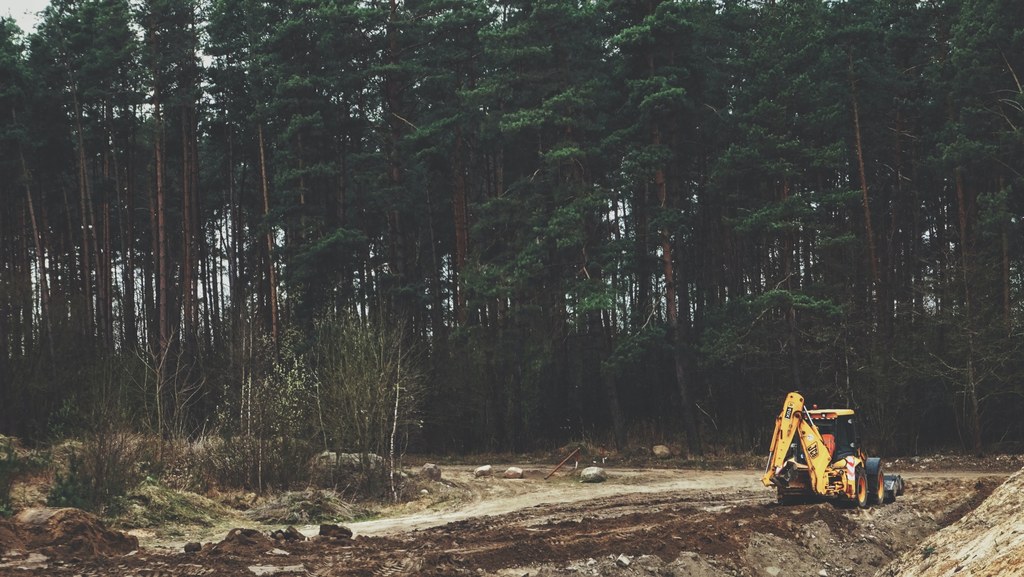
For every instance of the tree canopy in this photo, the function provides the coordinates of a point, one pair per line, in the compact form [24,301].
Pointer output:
[599,219]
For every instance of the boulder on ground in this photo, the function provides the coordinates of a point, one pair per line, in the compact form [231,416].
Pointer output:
[326,459]
[661,451]
[484,471]
[193,547]
[289,534]
[593,475]
[513,473]
[431,471]
[335,532]
[347,463]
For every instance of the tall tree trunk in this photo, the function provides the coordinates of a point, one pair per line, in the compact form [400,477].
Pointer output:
[1005,245]
[268,241]
[459,206]
[397,228]
[107,281]
[611,391]
[235,300]
[104,253]
[676,335]
[163,288]
[85,207]
[861,172]
[438,328]
[787,276]
[163,293]
[644,306]
[188,265]
[127,237]
[41,269]
[973,416]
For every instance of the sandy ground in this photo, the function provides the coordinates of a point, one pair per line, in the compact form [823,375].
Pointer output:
[492,496]
[988,541]
[651,521]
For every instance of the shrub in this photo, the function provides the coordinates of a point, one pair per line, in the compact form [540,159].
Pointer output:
[369,390]
[152,504]
[70,488]
[264,425]
[249,462]
[107,465]
[10,467]
[307,507]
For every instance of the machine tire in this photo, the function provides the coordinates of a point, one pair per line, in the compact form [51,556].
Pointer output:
[876,482]
[861,482]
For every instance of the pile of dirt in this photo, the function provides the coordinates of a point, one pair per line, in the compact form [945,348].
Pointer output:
[69,534]
[656,532]
[986,541]
[243,543]
[9,539]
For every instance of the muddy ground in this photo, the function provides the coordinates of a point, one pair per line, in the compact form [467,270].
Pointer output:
[670,522]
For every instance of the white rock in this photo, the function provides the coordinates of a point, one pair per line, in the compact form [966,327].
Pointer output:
[661,451]
[484,471]
[823,573]
[513,473]
[623,561]
[593,475]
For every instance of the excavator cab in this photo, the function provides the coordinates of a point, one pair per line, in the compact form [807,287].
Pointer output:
[838,434]
[838,431]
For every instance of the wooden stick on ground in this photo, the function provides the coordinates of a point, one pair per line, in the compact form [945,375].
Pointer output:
[562,463]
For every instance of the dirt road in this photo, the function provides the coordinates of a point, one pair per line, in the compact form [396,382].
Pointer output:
[674,522]
[491,497]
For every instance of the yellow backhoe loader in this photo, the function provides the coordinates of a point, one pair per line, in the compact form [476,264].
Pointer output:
[817,452]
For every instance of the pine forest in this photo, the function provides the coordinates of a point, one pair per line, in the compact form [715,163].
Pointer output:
[456,226]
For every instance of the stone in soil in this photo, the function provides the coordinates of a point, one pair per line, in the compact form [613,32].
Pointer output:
[593,475]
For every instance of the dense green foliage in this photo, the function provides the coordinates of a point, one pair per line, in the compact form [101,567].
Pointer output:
[603,219]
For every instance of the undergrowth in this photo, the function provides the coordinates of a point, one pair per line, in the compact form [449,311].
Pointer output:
[152,504]
[308,507]
[10,467]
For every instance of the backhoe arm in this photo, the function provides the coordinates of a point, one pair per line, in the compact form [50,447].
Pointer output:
[786,425]
[795,421]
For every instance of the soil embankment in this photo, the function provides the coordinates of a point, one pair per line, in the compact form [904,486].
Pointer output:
[986,541]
